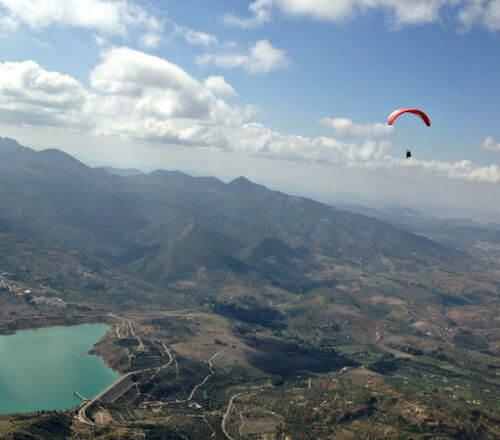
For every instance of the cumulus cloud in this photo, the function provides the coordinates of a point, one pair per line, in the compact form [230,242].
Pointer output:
[320,10]
[459,170]
[143,97]
[262,57]
[128,72]
[257,139]
[348,128]
[109,17]
[31,95]
[469,13]
[489,144]
[219,86]
[403,12]
[150,98]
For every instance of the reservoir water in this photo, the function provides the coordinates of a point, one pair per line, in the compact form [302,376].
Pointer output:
[39,369]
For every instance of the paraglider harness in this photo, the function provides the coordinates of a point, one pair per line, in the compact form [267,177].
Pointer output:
[408,154]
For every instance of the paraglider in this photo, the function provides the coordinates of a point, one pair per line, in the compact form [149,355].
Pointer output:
[395,114]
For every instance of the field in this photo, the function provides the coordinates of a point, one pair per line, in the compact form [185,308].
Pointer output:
[320,367]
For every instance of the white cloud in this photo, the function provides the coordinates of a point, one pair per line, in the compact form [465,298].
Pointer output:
[257,139]
[492,16]
[128,72]
[321,9]
[401,11]
[348,128]
[410,11]
[262,57]
[489,144]
[260,14]
[485,13]
[108,17]
[143,97]
[30,95]
[219,86]
[149,98]
[195,37]
[469,13]
[459,170]
[150,40]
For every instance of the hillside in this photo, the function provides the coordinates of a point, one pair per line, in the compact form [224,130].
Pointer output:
[463,233]
[231,298]
[137,220]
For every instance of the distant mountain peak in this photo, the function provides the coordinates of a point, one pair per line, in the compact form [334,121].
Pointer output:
[242,184]
[11,146]
[59,158]
[169,174]
[241,181]
[123,172]
[8,142]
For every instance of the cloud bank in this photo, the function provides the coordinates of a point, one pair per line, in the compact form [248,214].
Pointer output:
[30,95]
[143,97]
[105,17]
[467,13]
[346,127]
[109,17]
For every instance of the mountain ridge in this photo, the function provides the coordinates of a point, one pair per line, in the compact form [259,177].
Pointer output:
[149,210]
[297,299]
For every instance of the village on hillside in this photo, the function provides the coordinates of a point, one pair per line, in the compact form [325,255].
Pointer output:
[33,295]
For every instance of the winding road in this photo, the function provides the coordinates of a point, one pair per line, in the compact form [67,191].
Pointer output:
[123,383]
[227,414]
[208,376]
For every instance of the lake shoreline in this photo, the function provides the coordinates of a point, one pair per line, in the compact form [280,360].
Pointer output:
[41,367]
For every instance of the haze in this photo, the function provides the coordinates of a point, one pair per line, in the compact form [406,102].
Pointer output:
[289,94]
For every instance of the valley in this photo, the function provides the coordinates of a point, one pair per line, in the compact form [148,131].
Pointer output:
[238,312]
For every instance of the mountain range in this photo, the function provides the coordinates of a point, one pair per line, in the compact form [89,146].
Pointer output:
[385,310]
[165,226]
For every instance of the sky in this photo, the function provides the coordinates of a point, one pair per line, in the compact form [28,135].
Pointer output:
[291,93]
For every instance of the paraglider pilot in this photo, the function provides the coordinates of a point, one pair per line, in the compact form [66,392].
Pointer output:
[395,114]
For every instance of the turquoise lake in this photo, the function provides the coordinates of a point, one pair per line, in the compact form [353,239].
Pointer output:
[39,369]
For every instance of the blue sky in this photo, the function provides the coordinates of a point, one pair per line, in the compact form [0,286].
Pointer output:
[305,85]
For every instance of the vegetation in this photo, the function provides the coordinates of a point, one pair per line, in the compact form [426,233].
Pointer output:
[313,322]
